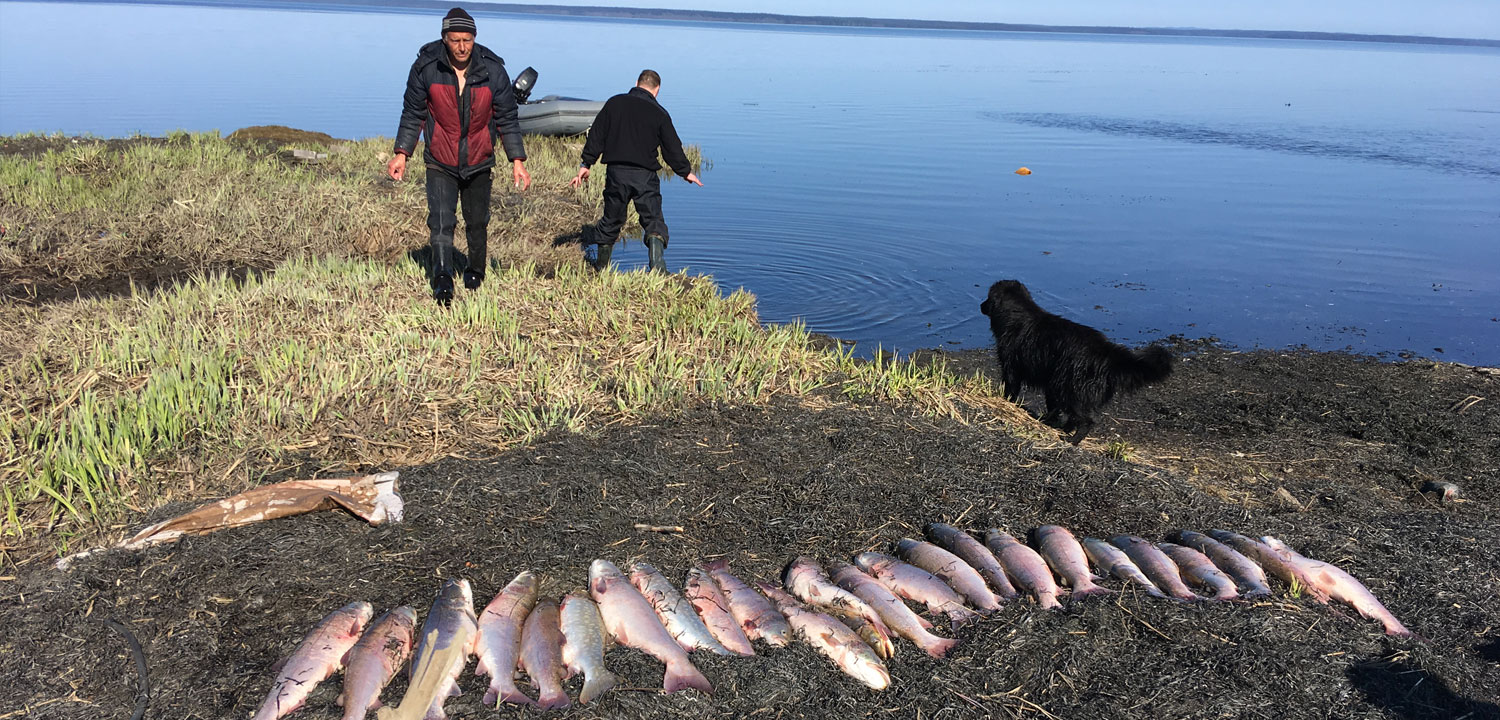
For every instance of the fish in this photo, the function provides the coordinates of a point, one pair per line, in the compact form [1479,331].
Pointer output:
[429,675]
[952,570]
[319,655]
[541,654]
[583,646]
[1328,581]
[805,579]
[1257,552]
[1065,556]
[713,607]
[675,611]
[1198,569]
[893,611]
[450,623]
[917,585]
[1114,561]
[375,659]
[832,638]
[499,644]
[757,616]
[1157,566]
[975,554]
[1249,576]
[1026,566]
[629,619]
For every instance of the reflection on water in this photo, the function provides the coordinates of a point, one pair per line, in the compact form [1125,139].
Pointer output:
[1269,193]
[1384,148]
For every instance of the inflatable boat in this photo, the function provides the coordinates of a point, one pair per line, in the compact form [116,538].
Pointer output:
[553,114]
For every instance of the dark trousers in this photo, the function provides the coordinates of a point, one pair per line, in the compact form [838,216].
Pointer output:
[444,194]
[622,186]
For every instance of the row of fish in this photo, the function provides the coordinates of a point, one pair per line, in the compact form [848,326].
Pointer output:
[848,612]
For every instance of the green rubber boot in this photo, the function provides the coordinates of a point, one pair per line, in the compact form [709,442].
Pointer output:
[602,254]
[656,245]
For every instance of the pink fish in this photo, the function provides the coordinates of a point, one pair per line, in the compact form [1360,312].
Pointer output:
[541,654]
[375,659]
[1198,569]
[1245,572]
[805,578]
[755,614]
[832,638]
[915,584]
[631,622]
[975,554]
[1157,566]
[319,655]
[952,570]
[1026,566]
[499,645]
[713,607]
[1327,581]
[893,611]
[1065,556]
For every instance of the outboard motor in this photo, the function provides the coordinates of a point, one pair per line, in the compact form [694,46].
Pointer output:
[524,83]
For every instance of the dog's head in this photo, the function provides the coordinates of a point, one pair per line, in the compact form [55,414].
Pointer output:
[1001,292]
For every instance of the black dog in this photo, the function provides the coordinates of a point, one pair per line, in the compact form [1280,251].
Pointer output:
[1075,365]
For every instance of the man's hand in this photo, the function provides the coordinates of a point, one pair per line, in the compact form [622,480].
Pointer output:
[583,174]
[396,168]
[693,178]
[518,171]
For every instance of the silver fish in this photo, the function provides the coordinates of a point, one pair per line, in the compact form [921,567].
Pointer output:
[1026,566]
[832,638]
[756,615]
[1157,566]
[375,659]
[1258,552]
[1245,572]
[1065,556]
[541,654]
[675,611]
[713,607]
[450,622]
[975,554]
[1115,562]
[804,578]
[499,645]
[629,619]
[950,569]
[1328,581]
[583,646]
[917,585]
[893,611]
[319,655]
[1197,568]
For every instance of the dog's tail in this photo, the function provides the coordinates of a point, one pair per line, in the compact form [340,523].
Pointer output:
[1136,370]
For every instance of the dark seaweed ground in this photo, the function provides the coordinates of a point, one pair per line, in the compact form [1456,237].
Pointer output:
[1325,451]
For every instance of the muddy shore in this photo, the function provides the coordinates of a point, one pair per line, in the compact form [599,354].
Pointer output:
[1326,451]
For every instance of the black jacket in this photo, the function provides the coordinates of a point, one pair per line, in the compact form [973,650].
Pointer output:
[460,129]
[629,129]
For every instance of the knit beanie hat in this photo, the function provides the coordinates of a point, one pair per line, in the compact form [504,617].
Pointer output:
[458,21]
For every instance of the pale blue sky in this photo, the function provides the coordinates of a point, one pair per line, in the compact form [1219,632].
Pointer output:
[1449,18]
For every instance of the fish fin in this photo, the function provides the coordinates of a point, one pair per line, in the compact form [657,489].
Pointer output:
[553,701]
[720,565]
[1049,602]
[938,646]
[593,687]
[339,701]
[682,675]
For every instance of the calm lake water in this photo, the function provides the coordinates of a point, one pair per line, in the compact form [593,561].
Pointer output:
[1268,193]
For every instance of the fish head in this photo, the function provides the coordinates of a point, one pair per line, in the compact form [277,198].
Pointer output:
[405,616]
[603,569]
[999,537]
[871,561]
[906,545]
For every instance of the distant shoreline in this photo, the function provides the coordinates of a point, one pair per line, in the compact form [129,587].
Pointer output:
[713,16]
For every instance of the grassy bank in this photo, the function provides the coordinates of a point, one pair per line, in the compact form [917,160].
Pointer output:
[338,359]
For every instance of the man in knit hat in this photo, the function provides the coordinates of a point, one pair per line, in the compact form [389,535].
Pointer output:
[459,93]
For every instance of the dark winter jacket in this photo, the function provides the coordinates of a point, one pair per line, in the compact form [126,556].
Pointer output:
[629,129]
[460,129]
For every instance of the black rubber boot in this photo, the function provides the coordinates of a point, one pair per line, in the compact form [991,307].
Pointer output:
[442,274]
[602,253]
[473,279]
[656,246]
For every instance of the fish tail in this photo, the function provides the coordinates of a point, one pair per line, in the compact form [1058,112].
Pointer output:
[937,646]
[682,675]
[596,685]
[554,700]
[1090,591]
[1049,602]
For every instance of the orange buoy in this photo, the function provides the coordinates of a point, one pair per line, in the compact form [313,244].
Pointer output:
[1024,171]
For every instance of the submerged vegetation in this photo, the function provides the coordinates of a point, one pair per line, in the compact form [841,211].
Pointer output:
[336,358]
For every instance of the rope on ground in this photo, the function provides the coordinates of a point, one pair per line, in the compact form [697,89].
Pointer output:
[143,694]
